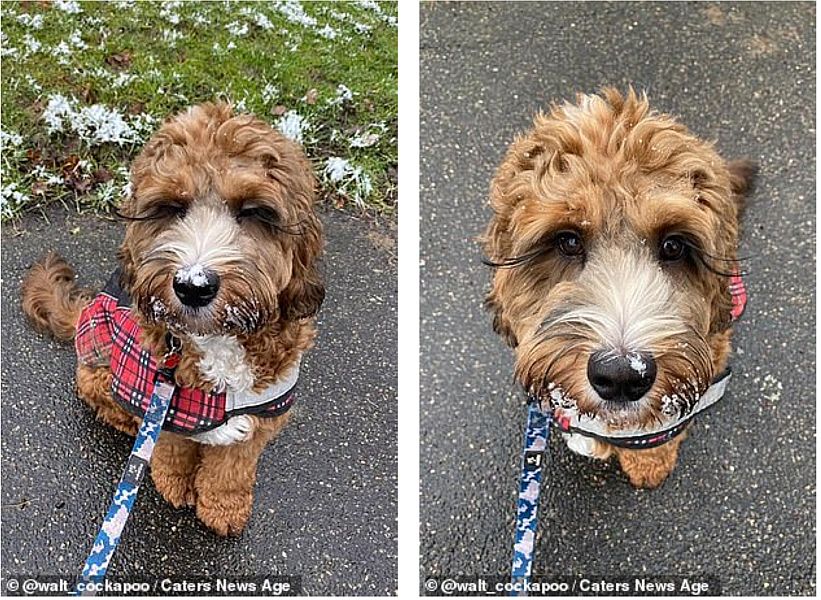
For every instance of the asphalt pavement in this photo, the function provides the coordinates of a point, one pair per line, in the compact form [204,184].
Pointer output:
[740,506]
[326,503]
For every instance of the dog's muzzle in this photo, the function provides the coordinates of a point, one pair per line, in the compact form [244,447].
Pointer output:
[568,420]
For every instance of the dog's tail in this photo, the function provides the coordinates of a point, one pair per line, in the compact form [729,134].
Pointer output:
[51,298]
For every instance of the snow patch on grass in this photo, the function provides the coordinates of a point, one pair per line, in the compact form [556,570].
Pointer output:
[33,83]
[328,32]
[349,180]
[293,11]
[237,29]
[168,13]
[269,93]
[95,124]
[5,49]
[61,51]
[293,126]
[76,40]
[35,22]
[71,7]
[11,199]
[343,95]
[10,139]
[31,44]
[373,6]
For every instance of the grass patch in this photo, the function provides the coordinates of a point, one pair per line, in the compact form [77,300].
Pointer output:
[84,84]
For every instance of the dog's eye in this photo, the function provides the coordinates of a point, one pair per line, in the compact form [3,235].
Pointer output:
[261,214]
[569,243]
[672,248]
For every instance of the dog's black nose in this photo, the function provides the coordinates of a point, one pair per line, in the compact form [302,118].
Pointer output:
[195,286]
[621,378]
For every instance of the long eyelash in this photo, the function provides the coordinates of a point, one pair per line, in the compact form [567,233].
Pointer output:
[130,218]
[515,261]
[289,228]
[296,228]
[700,255]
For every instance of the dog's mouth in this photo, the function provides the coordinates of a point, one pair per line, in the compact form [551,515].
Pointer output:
[217,317]
[656,408]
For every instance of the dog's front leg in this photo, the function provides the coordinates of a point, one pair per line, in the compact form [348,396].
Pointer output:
[172,468]
[649,468]
[226,475]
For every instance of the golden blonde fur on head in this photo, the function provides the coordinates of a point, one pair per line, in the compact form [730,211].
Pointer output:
[615,180]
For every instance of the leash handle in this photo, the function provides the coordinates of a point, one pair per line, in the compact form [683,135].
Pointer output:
[537,434]
[119,510]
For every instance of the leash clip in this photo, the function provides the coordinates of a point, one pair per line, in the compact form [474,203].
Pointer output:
[172,357]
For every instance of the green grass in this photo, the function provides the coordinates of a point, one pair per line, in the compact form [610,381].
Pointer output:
[148,60]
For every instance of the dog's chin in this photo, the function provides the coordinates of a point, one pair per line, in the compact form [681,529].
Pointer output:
[217,318]
[647,413]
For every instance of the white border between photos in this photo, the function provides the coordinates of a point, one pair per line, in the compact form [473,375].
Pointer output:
[408,268]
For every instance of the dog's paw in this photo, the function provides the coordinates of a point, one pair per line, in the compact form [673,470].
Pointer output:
[178,490]
[647,479]
[649,468]
[235,430]
[226,515]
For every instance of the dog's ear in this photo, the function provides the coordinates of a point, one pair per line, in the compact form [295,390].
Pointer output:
[500,324]
[743,173]
[721,305]
[496,244]
[741,178]
[304,294]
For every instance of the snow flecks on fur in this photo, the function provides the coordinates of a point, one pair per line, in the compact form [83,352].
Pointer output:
[558,398]
[193,274]
[158,308]
[637,363]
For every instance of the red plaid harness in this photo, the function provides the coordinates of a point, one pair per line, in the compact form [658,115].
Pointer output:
[107,334]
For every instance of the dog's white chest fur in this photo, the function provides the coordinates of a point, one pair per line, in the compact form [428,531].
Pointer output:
[223,363]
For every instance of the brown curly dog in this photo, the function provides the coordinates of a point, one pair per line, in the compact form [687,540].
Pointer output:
[613,242]
[220,253]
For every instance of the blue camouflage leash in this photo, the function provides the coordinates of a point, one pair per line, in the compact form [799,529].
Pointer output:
[537,434]
[108,539]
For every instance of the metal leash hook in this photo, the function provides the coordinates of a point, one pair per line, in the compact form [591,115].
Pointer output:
[537,435]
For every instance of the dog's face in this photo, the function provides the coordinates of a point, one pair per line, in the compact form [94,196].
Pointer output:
[613,235]
[222,234]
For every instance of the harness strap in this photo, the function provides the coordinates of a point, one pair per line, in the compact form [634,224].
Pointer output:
[537,434]
[119,510]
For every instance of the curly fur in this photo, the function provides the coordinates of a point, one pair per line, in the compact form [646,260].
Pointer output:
[229,192]
[622,177]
